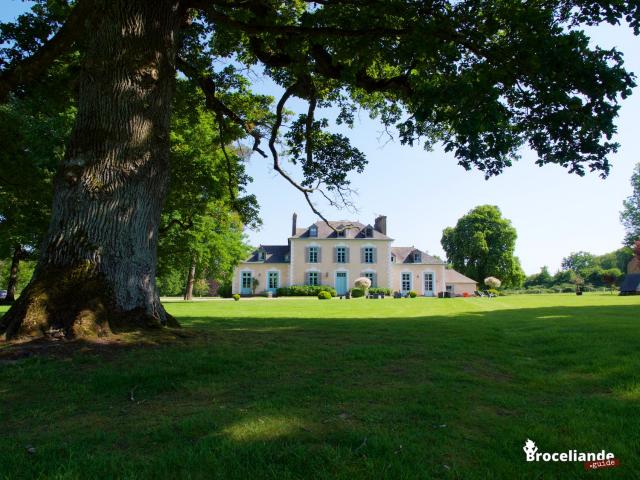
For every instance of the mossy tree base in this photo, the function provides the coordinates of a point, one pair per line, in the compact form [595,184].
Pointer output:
[76,303]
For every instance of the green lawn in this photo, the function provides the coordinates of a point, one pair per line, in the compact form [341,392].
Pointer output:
[302,388]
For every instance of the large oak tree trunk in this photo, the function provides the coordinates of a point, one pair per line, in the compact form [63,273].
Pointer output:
[97,269]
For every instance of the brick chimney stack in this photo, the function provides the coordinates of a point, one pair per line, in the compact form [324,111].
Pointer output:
[381,224]
[294,222]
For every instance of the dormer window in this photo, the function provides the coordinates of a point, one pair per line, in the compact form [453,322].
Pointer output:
[342,233]
[261,255]
[313,231]
[417,257]
[368,232]
[393,259]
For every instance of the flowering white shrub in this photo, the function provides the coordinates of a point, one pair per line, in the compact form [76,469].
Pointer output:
[363,283]
[492,282]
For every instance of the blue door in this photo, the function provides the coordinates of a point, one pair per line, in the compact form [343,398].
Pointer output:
[341,283]
[245,283]
[273,281]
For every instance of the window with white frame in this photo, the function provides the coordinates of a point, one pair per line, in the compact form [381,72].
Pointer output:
[341,254]
[272,280]
[406,282]
[313,231]
[371,276]
[313,278]
[428,282]
[313,255]
[246,279]
[417,257]
[368,255]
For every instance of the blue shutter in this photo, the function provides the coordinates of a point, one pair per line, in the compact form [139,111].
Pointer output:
[306,278]
[319,254]
[335,254]
[306,254]
[375,254]
[362,255]
[346,254]
[374,280]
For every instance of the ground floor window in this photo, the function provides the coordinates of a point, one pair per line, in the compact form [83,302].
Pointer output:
[371,276]
[313,278]
[450,288]
[246,280]
[406,282]
[428,282]
[273,280]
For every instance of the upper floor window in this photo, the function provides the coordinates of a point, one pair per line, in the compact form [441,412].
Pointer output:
[313,231]
[368,255]
[342,255]
[417,257]
[393,259]
[342,233]
[261,255]
[313,254]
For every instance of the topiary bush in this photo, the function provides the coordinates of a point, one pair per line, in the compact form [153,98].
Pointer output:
[324,295]
[357,292]
[236,296]
[413,294]
[492,282]
[363,283]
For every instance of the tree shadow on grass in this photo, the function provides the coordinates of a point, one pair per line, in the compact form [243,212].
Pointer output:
[336,398]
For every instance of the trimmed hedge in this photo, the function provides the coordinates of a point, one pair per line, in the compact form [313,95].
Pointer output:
[357,292]
[413,294]
[305,291]
[379,290]
[236,296]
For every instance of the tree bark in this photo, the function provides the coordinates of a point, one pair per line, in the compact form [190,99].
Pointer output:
[96,272]
[191,276]
[13,275]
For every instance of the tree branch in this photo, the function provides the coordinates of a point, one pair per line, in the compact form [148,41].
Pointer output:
[208,87]
[27,70]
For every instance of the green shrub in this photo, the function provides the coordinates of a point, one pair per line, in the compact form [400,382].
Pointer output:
[413,294]
[236,296]
[324,295]
[380,290]
[357,292]
[305,291]
[224,290]
[493,291]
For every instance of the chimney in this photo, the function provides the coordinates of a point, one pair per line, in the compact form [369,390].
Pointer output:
[381,224]
[294,221]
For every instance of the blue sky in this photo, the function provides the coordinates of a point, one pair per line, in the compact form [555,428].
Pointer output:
[423,192]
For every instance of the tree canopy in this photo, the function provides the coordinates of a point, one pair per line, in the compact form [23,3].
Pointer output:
[482,245]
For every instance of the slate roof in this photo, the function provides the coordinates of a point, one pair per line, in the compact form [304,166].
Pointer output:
[405,255]
[451,276]
[273,254]
[353,230]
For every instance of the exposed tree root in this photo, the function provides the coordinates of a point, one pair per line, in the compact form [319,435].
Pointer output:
[75,303]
